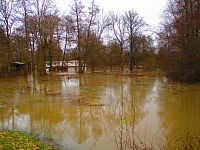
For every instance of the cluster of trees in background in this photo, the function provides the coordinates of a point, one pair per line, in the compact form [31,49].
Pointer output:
[179,40]
[34,32]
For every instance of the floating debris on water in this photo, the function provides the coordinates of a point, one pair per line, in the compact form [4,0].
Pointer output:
[82,102]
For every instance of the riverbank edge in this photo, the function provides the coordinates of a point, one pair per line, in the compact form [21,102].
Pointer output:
[16,139]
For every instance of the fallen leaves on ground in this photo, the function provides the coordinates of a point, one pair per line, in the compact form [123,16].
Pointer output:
[15,140]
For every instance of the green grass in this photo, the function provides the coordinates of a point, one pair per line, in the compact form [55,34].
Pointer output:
[17,140]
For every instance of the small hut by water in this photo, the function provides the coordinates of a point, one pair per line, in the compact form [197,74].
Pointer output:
[18,66]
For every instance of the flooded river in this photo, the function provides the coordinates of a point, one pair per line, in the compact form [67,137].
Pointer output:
[101,111]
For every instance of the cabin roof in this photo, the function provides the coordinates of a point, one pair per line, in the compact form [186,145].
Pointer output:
[18,63]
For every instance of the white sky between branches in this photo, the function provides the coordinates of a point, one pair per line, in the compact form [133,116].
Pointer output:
[150,10]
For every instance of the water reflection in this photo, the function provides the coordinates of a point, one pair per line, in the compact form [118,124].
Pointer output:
[135,112]
[179,107]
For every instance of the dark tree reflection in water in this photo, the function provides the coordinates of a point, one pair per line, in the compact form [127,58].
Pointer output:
[127,112]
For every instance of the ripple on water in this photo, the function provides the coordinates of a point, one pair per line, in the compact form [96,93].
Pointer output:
[2,105]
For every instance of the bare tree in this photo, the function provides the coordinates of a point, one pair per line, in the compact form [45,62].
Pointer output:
[77,12]
[24,11]
[68,27]
[7,20]
[96,23]
[44,10]
[91,41]
[92,17]
[33,38]
[119,30]
[52,23]
[134,25]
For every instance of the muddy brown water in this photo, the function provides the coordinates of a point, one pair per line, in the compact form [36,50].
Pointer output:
[101,111]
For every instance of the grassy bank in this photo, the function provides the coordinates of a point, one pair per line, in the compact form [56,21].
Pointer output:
[15,140]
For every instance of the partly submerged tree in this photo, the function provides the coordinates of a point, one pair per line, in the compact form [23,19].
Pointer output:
[78,13]
[134,24]
[180,40]
[119,29]
[7,20]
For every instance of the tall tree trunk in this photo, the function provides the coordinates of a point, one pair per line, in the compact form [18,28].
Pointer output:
[121,56]
[131,52]
[33,55]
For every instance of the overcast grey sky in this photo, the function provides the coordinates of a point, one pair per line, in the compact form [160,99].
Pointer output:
[150,10]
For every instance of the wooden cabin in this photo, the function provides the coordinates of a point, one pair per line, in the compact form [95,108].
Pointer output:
[18,66]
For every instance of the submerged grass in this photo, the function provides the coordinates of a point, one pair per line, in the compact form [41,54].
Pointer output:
[15,140]
[184,143]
